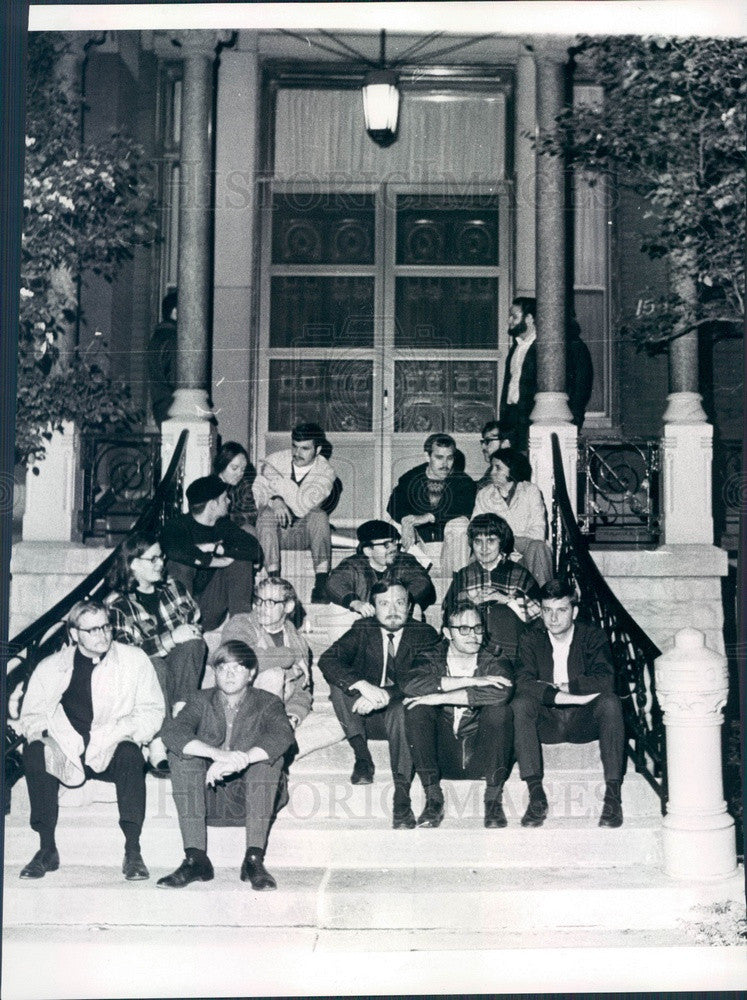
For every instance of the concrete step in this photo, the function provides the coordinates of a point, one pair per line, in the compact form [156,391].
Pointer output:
[362,843]
[442,898]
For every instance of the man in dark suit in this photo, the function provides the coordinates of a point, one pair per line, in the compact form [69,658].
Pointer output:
[565,694]
[365,670]
[520,377]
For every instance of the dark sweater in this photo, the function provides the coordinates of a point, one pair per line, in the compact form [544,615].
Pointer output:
[411,496]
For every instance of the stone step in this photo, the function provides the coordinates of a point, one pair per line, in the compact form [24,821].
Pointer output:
[423,897]
[361,843]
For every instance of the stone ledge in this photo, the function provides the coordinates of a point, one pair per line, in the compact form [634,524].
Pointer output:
[60,558]
[666,561]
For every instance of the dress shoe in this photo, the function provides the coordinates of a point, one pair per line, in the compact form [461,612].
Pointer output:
[495,817]
[133,867]
[160,770]
[612,812]
[41,863]
[254,871]
[433,814]
[190,870]
[536,813]
[363,772]
[403,819]
[319,594]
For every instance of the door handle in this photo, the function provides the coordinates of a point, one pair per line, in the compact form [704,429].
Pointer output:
[386,399]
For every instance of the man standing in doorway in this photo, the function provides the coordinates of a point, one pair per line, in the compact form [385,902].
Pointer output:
[520,378]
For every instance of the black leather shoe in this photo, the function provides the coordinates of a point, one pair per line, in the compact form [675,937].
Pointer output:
[363,772]
[160,770]
[536,813]
[433,814]
[41,863]
[254,871]
[133,867]
[190,870]
[403,819]
[319,594]
[495,817]
[612,813]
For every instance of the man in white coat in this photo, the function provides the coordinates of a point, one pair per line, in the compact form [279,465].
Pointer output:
[289,492]
[87,711]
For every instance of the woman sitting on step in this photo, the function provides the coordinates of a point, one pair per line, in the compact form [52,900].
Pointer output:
[161,617]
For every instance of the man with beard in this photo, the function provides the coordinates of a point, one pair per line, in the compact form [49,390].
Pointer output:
[379,556]
[520,378]
[433,503]
[364,669]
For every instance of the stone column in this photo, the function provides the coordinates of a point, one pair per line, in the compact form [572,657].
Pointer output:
[692,686]
[551,413]
[191,406]
[525,172]
[54,495]
[688,437]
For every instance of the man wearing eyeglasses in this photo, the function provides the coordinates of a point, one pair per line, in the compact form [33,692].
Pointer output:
[283,656]
[86,713]
[457,718]
[379,556]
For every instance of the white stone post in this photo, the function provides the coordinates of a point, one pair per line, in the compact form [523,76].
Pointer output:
[540,456]
[686,473]
[201,442]
[53,497]
[692,685]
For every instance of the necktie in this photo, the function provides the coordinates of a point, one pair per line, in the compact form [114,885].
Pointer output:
[388,678]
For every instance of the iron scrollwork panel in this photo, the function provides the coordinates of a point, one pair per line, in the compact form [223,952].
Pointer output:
[120,477]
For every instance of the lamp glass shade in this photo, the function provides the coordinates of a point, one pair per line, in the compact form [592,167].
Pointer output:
[381,106]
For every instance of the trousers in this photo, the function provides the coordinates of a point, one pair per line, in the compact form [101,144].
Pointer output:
[249,799]
[310,532]
[126,771]
[229,590]
[386,724]
[437,753]
[179,672]
[600,719]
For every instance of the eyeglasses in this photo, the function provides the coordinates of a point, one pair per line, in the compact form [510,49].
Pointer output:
[467,629]
[95,630]
[153,559]
[389,544]
[268,600]
[489,440]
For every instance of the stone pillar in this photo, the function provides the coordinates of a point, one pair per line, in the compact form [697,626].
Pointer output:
[687,443]
[525,172]
[551,413]
[53,497]
[191,406]
[692,686]
[234,290]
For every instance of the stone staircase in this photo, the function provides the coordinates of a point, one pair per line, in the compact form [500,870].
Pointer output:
[348,882]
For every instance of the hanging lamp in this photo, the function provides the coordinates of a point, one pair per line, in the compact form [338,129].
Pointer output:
[381,101]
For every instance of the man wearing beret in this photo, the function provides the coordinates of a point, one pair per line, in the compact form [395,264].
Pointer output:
[211,555]
[379,557]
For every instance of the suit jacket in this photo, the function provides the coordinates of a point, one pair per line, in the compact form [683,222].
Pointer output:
[359,654]
[260,722]
[590,666]
[527,384]
[353,579]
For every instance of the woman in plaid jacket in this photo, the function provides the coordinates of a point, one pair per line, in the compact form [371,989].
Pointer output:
[162,618]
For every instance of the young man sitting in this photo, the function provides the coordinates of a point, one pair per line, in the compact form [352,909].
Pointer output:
[457,720]
[506,591]
[565,682]
[211,555]
[283,655]
[433,503]
[290,491]
[379,555]
[226,750]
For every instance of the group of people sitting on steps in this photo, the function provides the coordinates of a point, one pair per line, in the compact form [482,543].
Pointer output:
[512,668]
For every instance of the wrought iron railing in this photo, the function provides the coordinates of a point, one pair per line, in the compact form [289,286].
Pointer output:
[47,634]
[632,651]
[729,490]
[120,476]
[619,500]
